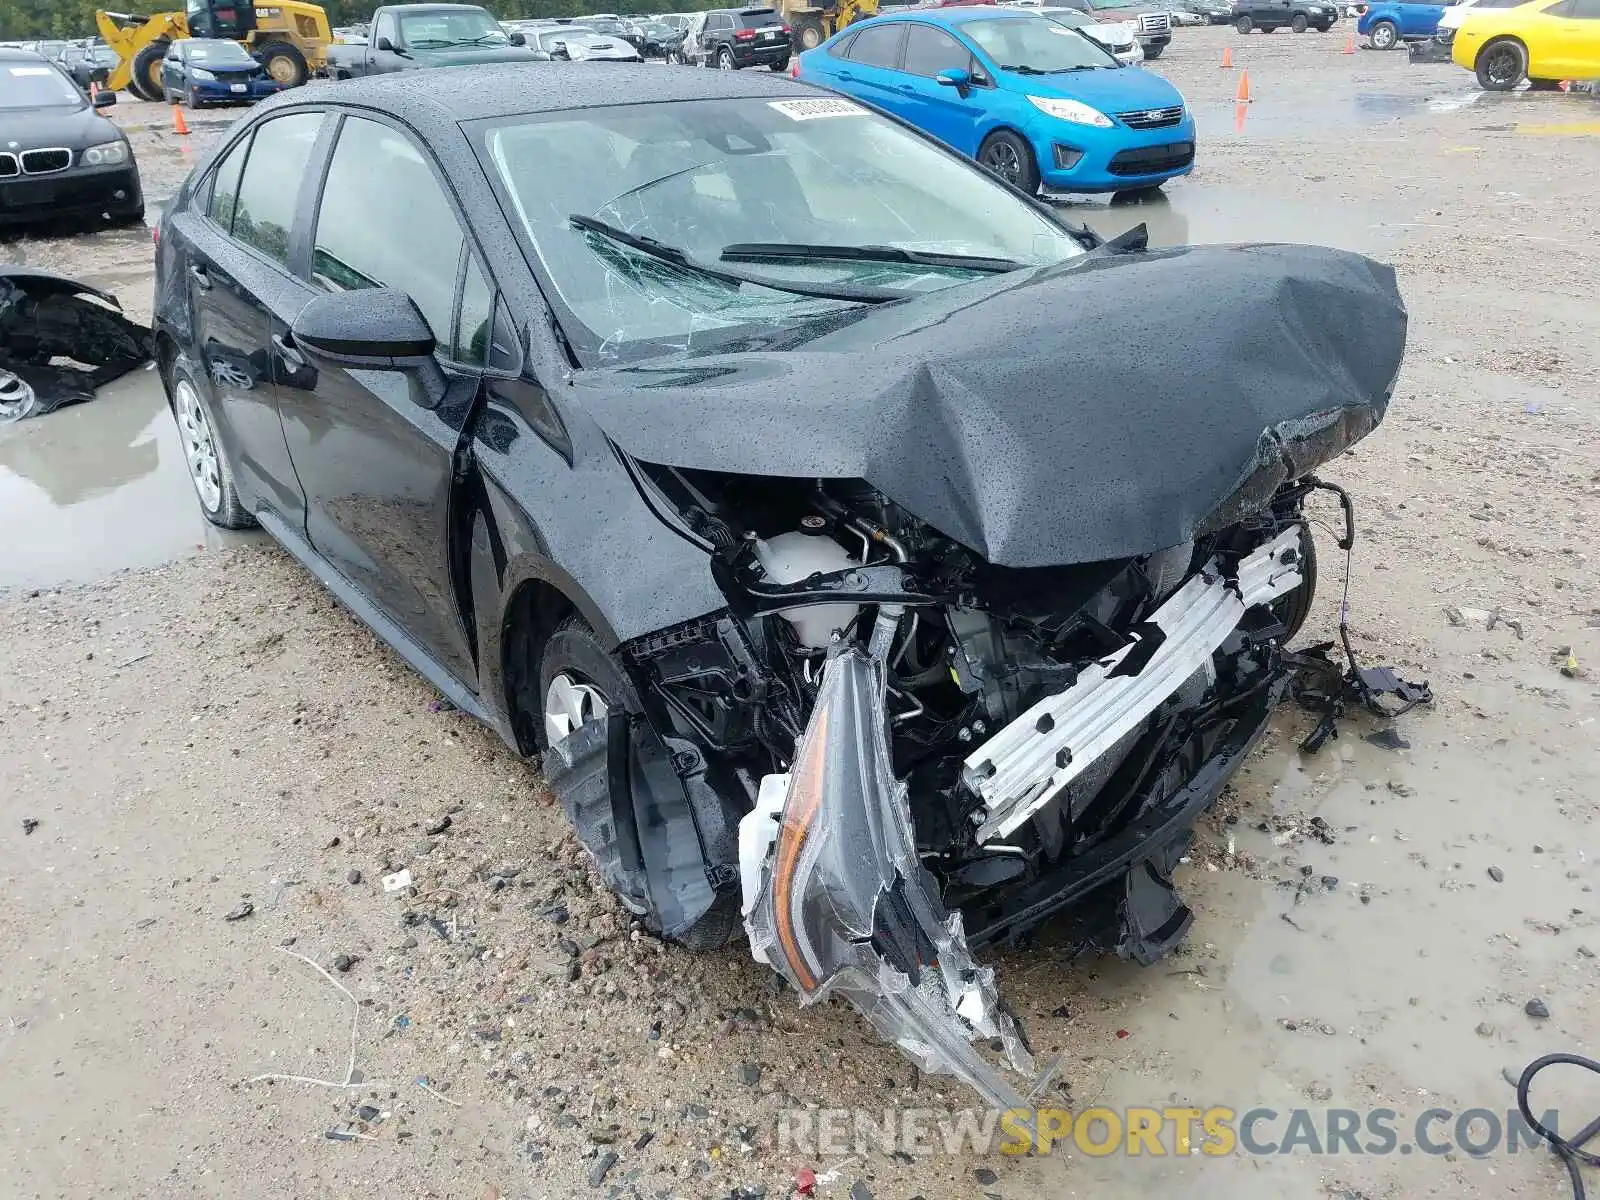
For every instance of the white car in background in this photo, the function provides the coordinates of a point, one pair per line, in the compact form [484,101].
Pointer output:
[1121,38]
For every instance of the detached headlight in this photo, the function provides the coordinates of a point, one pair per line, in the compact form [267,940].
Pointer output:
[106,155]
[202,73]
[1071,110]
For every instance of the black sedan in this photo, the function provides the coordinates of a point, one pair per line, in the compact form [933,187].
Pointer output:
[751,458]
[59,158]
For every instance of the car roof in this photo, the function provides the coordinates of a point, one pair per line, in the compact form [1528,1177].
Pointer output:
[8,54]
[954,15]
[517,88]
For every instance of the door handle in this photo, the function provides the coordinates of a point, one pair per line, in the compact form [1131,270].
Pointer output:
[201,279]
[291,357]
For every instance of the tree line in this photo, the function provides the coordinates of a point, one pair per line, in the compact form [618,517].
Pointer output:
[27,19]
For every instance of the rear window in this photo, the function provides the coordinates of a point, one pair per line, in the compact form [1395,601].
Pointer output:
[757,18]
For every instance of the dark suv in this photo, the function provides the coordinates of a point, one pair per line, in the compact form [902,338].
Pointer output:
[1271,15]
[745,37]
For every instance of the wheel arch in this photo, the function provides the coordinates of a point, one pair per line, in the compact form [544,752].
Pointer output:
[1499,39]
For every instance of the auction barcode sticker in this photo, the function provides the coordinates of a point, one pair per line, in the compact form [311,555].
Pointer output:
[810,110]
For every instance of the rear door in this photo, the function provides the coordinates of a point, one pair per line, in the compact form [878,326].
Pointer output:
[237,236]
[870,69]
[932,106]
[376,465]
[1419,20]
[1568,42]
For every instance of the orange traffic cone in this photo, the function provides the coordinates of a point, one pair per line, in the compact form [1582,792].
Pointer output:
[1350,44]
[1243,95]
[1239,111]
[1227,57]
[179,125]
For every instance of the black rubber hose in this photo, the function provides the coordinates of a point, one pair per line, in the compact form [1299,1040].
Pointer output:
[1569,1151]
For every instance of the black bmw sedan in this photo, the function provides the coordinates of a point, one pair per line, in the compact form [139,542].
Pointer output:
[754,459]
[59,158]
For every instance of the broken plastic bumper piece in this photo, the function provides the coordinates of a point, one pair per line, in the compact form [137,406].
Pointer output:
[838,903]
[1023,766]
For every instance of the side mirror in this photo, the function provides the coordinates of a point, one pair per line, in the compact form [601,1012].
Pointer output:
[518,40]
[378,329]
[104,99]
[383,43]
[371,327]
[955,77]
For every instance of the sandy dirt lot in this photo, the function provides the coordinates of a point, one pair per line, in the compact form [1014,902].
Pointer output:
[197,728]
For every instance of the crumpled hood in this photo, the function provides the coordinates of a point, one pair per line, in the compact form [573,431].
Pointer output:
[1000,413]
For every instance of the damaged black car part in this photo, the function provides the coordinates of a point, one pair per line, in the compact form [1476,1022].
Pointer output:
[60,340]
[753,460]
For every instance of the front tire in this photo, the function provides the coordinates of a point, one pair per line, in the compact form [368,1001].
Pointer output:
[144,80]
[1384,35]
[809,33]
[1293,608]
[1154,52]
[579,682]
[1501,65]
[1005,154]
[203,452]
[1244,24]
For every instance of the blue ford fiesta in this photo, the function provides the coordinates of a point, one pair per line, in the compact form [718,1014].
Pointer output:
[1033,100]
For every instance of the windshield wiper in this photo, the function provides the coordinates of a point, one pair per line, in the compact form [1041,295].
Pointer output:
[675,256]
[1022,69]
[800,252]
[498,39]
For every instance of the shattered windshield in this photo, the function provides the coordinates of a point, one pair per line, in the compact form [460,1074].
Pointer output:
[439,28]
[678,226]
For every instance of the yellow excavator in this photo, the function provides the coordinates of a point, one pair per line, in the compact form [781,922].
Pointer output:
[289,38]
[813,24]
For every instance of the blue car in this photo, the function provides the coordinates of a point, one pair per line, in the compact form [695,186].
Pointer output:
[213,71]
[1386,25]
[1036,102]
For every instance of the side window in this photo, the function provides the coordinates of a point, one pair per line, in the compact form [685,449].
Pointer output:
[365,240]
[386,28]
[1586,10]
[877,45]
[930,50]
[264,213]
[225,186]
[471,342]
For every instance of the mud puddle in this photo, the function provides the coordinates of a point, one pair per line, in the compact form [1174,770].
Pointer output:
[96,488]
[1197,214]
[1385,963]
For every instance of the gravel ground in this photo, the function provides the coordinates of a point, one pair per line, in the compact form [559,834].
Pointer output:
[215,738]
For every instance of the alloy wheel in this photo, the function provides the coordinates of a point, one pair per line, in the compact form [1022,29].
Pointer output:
[570,703]
[1001,158]
[199,445]
[1502,65]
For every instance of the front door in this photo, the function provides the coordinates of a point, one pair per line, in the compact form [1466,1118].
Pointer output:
[238,280]
[934,107]
[375,455]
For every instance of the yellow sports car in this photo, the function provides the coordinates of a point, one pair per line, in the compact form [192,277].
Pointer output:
[1544,41]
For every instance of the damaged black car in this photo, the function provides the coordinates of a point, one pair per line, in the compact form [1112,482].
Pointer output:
[757,463]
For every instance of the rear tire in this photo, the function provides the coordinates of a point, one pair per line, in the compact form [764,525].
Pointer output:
[203,451]
[725,60]
[809,34]
[1299,24]
[1384,35]
[778,67]
[573,651]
